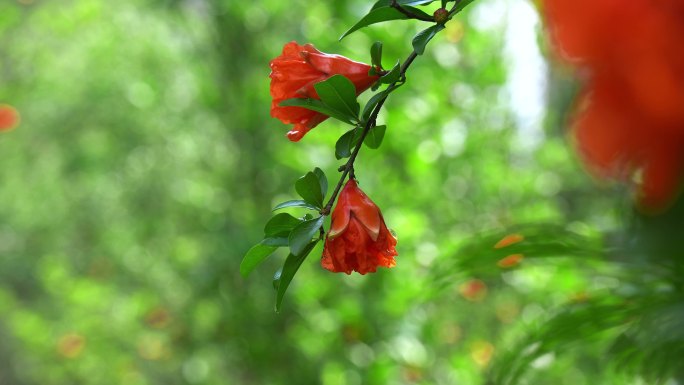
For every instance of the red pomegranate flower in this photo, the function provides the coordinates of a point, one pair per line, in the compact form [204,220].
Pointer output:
[629,121]
[293,75]
[358,239]
[9,117]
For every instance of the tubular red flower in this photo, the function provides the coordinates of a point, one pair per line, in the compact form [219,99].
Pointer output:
[358,239]
[629,120]
[293,75]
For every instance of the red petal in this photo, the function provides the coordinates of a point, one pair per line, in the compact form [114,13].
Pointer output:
[294,74]
[661,178]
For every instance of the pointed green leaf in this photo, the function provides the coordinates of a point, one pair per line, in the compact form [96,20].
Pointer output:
[339,93]
[386,3]
[346,143]
[461,5]
[356,136]
[283,277]
[393,75]
[374,138]
[276,241]
[376,54]
[372,102]
[280,225]
[485,255]
[254,257]
[309,188]
[380,14]
[322,180]
[572,322]
[423,37]
[295,203]
[343,146]
[368,108]
[303,233]
[318,106]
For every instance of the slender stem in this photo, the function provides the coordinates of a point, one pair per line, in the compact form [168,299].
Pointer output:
[408,13]
[348,168]
[452,11]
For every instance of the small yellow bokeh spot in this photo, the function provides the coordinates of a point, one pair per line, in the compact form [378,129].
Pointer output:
[481,352]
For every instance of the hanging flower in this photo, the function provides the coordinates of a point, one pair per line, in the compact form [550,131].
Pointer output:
[293,75]
[629,120]
[358,239]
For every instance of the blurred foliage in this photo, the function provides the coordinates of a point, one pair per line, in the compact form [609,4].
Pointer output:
[146,164]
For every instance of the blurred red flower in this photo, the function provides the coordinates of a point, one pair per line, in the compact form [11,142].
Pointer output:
[473,290]
[629,121]
[358,239]
[293,75]
[9,117]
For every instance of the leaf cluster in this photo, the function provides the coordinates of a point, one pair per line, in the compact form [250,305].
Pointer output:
[640,322]
[300,235]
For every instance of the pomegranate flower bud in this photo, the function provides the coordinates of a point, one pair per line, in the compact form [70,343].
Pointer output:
[441,16]
[358,239]
[293,75]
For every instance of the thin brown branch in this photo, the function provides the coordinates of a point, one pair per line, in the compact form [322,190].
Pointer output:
[348,167]
[408,13]
[453,9]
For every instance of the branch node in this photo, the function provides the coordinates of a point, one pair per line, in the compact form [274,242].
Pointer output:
[347,169]
[408,13]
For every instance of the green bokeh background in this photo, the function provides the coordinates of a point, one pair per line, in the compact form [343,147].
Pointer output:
[147,163]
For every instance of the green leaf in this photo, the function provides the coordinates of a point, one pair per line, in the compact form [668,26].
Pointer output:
[322,180]
[356,136]
[303,233]
[386,3]
[254,257]
[309,188]
[423,37]
[372,102]
[393,75]
[318,106]
[461,5]
[346,143]
[481,257]
[276,241]
[374,137]
[376,54]
[380,14]
[283,277]
[368,109]
[295,203]
[339,93]
[570,323]
[280,225]
[343,146]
